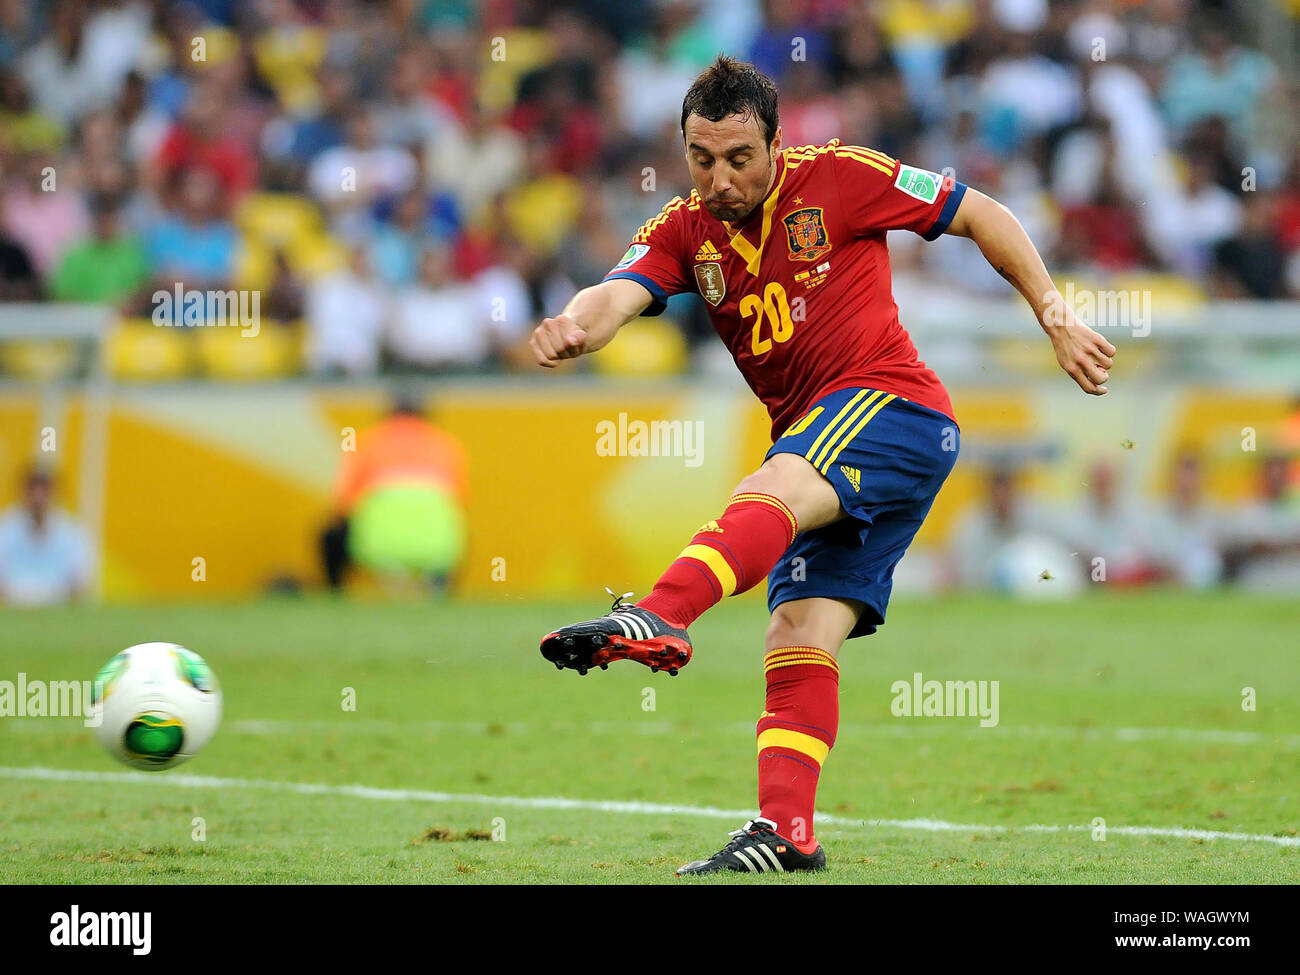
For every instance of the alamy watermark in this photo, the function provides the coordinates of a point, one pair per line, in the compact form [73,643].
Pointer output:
[1100,309]
[217,309]
[122,929]
[653,438]
[51,699]
[920,698]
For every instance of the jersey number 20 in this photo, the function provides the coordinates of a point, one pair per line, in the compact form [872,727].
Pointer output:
[774,309]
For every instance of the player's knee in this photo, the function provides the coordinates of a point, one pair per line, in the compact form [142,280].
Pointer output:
[778,474]
[792,628]
[760,482]
[797,483]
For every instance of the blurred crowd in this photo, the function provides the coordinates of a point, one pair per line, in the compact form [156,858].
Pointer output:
[413,183]
[1025,545]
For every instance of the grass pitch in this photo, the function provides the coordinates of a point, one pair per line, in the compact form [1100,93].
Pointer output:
[1121,707]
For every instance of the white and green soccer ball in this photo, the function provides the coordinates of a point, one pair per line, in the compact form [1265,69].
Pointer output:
[156,704]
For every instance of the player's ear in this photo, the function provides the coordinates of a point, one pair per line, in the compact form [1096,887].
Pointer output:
[776,142]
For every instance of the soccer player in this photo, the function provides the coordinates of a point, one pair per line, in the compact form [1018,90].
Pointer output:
[787,247]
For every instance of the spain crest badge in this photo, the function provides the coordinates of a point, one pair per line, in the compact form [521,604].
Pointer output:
[806,234]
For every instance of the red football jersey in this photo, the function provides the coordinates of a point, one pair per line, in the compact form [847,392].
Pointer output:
[800,290]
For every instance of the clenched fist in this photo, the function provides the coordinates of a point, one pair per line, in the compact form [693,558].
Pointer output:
[1084,355]
[557,338]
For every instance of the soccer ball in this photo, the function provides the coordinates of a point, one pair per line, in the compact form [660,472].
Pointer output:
[156,704]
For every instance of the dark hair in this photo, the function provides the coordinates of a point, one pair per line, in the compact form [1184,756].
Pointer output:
[730,87]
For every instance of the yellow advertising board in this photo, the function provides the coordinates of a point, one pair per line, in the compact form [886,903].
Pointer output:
[574,486]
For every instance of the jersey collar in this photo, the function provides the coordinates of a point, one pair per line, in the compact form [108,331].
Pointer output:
[739,242]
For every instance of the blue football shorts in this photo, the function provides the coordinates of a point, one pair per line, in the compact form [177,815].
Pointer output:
[886,457]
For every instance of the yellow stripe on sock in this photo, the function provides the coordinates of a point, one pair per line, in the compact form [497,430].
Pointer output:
[712,558]
[797,661]
[774,502]
[814,748]
[828,660]
[793,656]
[802,650]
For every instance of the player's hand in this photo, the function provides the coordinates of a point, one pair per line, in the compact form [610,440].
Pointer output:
[556,339]
[1082,353]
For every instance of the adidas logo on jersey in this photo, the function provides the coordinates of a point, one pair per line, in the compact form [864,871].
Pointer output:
[853,474]
[709,526]
[707,252]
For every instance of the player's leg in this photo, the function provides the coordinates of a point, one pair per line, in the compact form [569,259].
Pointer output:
[801,710]
[832,584]
[796,731]
[735,551]
[848,566]
[798,489]
[334,552]
[728,555]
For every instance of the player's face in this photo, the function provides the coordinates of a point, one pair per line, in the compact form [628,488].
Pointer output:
[731,164]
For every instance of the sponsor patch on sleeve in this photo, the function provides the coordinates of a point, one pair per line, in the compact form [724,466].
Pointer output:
[920,183]
[634,254]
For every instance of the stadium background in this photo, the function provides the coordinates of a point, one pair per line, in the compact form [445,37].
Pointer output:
[505,152]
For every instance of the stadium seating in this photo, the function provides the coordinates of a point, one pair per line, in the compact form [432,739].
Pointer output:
[139,349]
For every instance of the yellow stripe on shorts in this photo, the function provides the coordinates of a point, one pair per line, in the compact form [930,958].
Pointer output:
[856,430]
[838,437]
[830,426]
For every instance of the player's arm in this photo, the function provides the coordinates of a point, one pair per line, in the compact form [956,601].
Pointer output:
[650,272]
[589,321]
[1081,352]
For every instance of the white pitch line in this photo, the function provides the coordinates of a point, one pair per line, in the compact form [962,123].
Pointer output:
[599,805]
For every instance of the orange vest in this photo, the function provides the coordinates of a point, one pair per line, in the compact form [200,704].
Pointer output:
[406,449]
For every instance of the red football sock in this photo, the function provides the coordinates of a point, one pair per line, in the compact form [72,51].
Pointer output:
[795,734]
[730,555]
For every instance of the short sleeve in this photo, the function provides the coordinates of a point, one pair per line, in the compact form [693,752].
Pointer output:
[654,259]
[881,193]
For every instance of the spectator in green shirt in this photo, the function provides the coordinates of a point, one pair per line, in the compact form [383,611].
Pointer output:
[109,267]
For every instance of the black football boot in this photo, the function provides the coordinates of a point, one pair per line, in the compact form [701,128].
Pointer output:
[757,849]
[626,632]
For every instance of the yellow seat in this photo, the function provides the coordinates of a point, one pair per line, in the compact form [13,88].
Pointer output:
[288,58]
[645,347]
[220,44]
[139,349]
[254,264]
[1170,292]
[228,353]
[1019,358]
[278,219]
[542,211]
[317,254]
[513,55]
[40,361]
